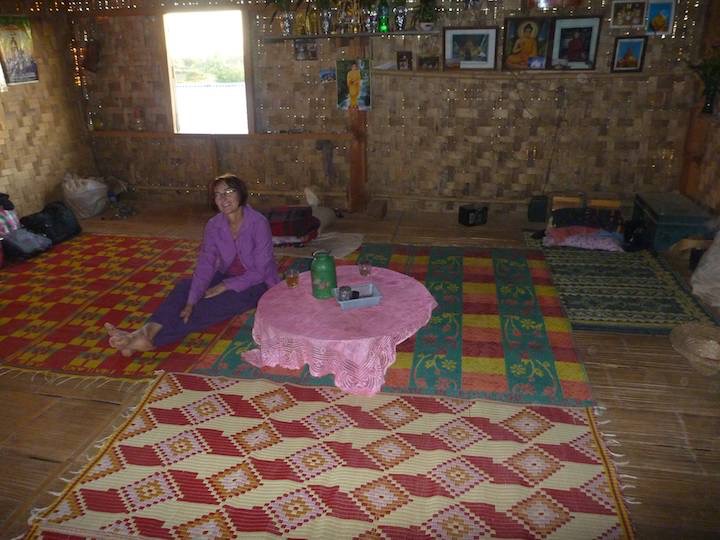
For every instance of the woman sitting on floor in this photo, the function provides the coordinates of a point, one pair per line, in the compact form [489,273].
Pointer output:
[235,267]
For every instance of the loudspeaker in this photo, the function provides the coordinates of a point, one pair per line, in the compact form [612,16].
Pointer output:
[538,208]
[471,214]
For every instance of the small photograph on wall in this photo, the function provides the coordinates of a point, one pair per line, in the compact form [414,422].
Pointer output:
[469,48]
[575,43]
[353,84]
[629,54]
[627,14]
[527,42]
[327,75]
[305,49]
[660,17]
[549,4]
[428,63]
[16,50]
[405,60]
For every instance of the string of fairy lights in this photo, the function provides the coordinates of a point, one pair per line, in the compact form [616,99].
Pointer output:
[319,113]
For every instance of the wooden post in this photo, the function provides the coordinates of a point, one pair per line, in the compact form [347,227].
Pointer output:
[694,154]
[699,124]
[357,125]
[358,161]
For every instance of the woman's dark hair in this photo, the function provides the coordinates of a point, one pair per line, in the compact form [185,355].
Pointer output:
[234,182]
[528,27]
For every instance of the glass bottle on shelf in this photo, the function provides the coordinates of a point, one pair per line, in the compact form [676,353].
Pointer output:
[383,16]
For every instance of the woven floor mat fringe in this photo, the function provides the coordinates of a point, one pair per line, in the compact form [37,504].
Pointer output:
[94,450]
[82,381]
[608,440]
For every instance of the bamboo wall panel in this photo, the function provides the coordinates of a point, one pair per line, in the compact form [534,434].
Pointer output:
[131,74]
[286,166]
[709,186]
[506,138]
[42,134]
[156,163]
[288,92]
[440,139]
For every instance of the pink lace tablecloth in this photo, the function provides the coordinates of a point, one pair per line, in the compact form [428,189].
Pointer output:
[357,346]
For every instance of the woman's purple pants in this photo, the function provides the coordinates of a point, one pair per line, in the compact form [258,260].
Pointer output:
[207,311]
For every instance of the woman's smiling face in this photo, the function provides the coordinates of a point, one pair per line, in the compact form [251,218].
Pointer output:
[227,199]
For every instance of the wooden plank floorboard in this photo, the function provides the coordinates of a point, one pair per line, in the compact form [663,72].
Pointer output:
[663,415]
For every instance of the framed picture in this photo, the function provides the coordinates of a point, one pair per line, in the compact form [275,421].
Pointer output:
[16,50]
[428,63]
[305,49]
[353,84]
[660,15]
[527,42]
[469,48]
[627,14]
[629,54]
[404,60]
[327,75]
[575,42]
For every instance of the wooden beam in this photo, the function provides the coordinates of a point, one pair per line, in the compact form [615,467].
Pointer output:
[251,137]
[699,124]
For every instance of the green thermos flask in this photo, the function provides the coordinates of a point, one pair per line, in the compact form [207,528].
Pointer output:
[322,272]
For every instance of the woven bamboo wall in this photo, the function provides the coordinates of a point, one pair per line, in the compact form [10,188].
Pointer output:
[435,140]
[42,135]
[709,186]
[131,75]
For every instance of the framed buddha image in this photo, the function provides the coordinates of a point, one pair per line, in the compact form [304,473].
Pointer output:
[629,54]
[527,42]
[575,41]
[660,15]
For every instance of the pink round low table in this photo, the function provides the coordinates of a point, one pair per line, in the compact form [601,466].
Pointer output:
[357,346]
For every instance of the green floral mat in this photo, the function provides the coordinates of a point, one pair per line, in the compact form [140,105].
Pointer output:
[499,331]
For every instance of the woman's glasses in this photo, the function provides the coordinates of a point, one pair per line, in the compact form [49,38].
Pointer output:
[225,193]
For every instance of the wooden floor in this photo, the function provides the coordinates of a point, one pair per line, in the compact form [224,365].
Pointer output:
[663,418]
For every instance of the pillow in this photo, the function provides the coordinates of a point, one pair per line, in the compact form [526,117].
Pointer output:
[597,240]
[325,215]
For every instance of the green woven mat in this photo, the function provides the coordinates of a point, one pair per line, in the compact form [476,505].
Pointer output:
[633,292]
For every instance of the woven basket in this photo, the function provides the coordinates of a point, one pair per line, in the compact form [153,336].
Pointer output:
[700,344]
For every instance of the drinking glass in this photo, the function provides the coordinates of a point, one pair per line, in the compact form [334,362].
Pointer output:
[365,267]
[292,277]
[344,293]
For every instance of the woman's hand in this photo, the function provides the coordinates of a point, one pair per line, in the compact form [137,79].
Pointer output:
[214,291]
[186,312]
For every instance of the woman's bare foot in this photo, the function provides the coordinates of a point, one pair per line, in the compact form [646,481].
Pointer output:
[129,342]
[119,339]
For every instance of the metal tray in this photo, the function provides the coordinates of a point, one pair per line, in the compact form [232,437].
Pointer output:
[369,296]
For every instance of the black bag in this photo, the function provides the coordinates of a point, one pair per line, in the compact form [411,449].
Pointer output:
[5,202]
[56,221]
[23,244]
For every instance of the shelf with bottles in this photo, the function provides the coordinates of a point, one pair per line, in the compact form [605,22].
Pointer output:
[274,39]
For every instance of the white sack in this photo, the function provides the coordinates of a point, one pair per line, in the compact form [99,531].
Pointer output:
[705,280]
[86,197]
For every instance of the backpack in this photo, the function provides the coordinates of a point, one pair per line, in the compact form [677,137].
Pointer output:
[56,221]
[23,244]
